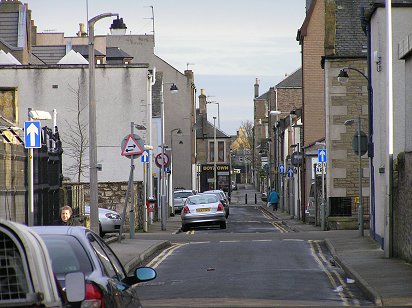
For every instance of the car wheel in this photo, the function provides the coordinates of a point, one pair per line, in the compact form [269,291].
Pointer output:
[184,228]
[101,233]
[223,225]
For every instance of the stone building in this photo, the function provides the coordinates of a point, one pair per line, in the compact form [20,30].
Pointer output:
[205,133]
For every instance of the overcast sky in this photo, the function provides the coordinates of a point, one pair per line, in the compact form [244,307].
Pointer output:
[228,43]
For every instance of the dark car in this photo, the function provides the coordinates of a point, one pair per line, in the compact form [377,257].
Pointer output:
[26,275]
[78,249]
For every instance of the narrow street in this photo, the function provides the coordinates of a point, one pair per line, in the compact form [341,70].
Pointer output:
[253,263]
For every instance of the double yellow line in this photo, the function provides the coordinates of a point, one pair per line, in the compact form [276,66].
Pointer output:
[333,275]
[163,255]
[280,227]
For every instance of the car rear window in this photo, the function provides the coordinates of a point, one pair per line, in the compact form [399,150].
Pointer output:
[201,199]
[182,194]
[67,254]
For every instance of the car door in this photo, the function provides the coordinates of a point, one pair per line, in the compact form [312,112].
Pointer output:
[119,294]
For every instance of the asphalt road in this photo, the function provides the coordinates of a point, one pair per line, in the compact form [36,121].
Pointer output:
[252,263]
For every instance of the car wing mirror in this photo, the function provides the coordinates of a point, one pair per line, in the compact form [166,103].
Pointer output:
[75,287]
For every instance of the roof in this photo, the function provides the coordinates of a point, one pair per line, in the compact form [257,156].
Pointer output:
[116,53]
[264,96]
[84,51]
[209,134]
[294,80]
[350,39]
[73,57]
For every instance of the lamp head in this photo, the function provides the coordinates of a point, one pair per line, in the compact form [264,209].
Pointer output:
[349,122]
[274,112]
[343,76]
[174,89]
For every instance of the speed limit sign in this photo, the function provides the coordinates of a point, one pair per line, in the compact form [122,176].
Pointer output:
[162,160]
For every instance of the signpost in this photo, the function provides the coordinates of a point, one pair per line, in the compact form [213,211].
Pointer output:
[132,147]
[322,158]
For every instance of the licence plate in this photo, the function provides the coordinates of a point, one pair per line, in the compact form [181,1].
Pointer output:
[203,210]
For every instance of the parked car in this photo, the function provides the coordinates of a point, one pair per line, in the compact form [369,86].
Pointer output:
[26,275]
[222,197]
[80,249]
[179,198]
[203,209]
[310,209]
[109,221]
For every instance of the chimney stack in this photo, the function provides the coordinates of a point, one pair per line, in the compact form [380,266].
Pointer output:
[257,88]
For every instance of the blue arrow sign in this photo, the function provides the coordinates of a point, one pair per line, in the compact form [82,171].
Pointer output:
[282,169]
[145,157]
[322,158]
[290,172]
[32,134]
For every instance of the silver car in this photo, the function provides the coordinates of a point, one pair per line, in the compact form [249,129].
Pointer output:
[109,221]
[222,197]
[179,198]
[203,209]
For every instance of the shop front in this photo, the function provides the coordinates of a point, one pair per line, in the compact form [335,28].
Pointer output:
[207,173]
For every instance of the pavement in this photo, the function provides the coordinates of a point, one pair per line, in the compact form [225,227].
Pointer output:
[385,281]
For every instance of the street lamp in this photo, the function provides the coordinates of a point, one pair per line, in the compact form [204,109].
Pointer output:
[344,77]
[163,209]
[178,132]
[94,215]
[214,153]
[218,112]
[360,212]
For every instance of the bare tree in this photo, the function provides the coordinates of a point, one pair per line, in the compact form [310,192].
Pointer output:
[247,136]
[76,140]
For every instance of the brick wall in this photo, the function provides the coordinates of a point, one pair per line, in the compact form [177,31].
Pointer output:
[313,78]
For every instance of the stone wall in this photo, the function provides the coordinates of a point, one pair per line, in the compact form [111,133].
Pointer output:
[112,195]
[402,207]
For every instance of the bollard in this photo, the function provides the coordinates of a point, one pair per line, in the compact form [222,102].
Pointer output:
[255,198]
[245,198]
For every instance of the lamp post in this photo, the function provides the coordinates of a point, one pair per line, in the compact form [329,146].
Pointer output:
[94,215]
[360,212]
[218,112]
[163,209]
[343,77]
[214,154]
[178,132]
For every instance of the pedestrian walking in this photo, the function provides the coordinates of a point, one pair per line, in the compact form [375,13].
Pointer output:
[66,218]
[274,199]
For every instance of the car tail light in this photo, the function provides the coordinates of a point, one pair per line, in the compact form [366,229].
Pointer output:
[93,298]
[220,207]
[186,210]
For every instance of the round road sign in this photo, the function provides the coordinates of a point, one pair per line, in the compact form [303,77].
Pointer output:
[162,159]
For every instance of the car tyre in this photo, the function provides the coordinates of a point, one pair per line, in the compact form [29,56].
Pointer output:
[223,225]
[101,233]
[184,228]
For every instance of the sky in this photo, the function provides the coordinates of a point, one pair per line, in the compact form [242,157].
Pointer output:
[226,43]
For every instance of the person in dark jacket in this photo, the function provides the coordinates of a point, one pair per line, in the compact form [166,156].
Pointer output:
[66,219]
[273,199]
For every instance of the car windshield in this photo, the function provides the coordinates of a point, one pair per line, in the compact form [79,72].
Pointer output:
[202,199]
[182,194]
[67,254]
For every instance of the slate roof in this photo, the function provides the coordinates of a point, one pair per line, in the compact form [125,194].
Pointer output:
[117,53]
[264,96]
[84,51]
[350,41]
[209,134]
[294,80]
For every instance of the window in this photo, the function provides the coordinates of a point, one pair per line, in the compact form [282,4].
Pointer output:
[8,104]
[220,151]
